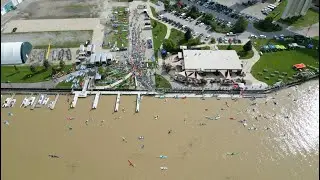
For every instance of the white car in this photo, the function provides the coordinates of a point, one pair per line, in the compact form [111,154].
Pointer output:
[253,36]
[263,36]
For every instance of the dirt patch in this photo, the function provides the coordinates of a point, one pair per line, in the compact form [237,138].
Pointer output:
[58,39]
[58,9]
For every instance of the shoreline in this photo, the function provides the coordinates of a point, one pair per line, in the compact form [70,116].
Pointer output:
[158,92]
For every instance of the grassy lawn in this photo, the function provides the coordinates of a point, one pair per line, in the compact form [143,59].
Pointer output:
[277,13]
[161,82]
[159,32]
[239,50]
[177,36]
[310,18]
[120,33]
[281,61]
[24,75]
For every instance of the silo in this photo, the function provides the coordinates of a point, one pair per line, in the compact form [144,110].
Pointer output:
[15,52]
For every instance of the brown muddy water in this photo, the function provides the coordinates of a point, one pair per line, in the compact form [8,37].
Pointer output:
[288,150]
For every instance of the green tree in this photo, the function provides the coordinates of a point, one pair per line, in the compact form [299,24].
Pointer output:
[33,68]
[213,41]
[169,45]
[240,26]
[248,46]
[46,64]
[61,64]
[188,35]
[229,47]
[194,42]
[54,70]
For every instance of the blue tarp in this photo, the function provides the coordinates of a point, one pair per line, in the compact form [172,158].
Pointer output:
[163,52]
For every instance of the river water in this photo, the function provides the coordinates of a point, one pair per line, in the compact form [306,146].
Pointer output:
[285,144]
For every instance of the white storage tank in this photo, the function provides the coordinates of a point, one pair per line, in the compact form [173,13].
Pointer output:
[15,52]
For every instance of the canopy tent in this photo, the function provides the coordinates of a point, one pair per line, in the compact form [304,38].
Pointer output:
[271,46]
[228,75]
[265,48]
[299,66]
[280,47]
[193,75]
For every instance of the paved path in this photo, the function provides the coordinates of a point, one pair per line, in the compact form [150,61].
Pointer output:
[114,84]
[247,66]
[41,25]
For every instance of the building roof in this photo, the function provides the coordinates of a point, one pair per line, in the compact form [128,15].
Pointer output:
[206,60]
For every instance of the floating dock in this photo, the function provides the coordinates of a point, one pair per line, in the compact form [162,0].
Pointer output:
[54,102]
[75,99]
[116,108]
[96,101]
[138,102]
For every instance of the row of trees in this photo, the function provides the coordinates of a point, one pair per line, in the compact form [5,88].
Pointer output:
[46,65]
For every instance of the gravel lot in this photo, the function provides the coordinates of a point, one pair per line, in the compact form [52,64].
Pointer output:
[57,39]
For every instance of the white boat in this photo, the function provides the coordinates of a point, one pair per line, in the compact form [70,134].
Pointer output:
[50,104]
[24,102]
[45,101]
[31,101]
[41,99]
[6,103]
[12,102]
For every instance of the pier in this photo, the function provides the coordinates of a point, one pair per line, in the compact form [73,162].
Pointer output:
[54,102]
[95,101]
[117,103]
[138,103]
[75,99]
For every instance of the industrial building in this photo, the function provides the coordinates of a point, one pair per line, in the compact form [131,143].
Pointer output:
[207,61]
[15,52]
[296,8]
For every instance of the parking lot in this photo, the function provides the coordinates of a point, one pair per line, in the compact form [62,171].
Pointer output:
[198,30]
[227,10]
